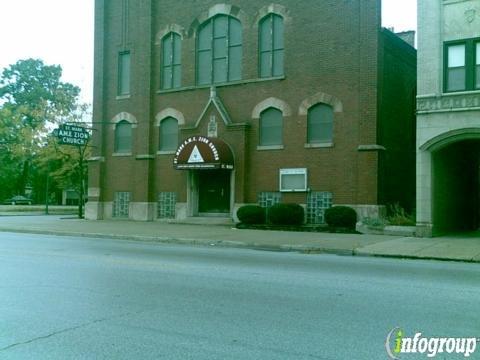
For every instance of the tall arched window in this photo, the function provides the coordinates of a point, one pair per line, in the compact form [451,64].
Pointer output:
[168,135]
[271,46]
[219,50]
[320,124]
[123,137]
[271,127]
[171,61]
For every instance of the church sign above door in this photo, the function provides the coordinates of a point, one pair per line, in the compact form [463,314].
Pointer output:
[200,152]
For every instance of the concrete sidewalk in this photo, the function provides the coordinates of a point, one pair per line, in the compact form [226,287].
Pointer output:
[458,248]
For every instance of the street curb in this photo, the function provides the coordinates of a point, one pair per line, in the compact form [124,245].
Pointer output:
[413,257]
[303,249]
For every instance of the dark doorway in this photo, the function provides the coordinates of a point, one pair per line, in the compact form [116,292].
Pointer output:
[214,191]
[456,187]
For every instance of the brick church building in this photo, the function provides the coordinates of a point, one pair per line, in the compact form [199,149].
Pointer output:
[201,107]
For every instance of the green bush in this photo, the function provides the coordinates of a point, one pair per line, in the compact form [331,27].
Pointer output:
[251,214]
[341,217]
[286,214]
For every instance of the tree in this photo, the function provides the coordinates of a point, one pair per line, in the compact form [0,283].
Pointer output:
[32,98]
[12,153]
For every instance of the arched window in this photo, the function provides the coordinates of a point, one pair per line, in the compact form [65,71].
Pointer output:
[219,50]
[271,46]
[320,124]
[168,135]
[123,137]
[271,127]
[171,61]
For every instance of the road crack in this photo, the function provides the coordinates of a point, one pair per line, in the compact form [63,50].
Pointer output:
[72,328]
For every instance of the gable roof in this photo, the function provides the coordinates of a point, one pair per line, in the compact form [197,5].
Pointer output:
[215,101]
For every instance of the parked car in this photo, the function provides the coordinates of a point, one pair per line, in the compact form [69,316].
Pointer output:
[18,200]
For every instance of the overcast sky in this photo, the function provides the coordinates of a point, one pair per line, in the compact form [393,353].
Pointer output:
[61,32]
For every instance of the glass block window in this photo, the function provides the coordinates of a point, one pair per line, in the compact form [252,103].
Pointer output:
[219,50]
[124,73]
[121,204]
[320,124]
[271,46]
[123,137]
[317,203]
[171,61]
[267,199]
[168,136]
[166,205]
[271,127]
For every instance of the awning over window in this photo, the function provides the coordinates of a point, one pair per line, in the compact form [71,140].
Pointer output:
[199,152]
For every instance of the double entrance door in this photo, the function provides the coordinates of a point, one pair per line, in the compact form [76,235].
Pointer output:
[213,191]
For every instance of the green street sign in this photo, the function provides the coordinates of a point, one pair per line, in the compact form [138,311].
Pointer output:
[72,135]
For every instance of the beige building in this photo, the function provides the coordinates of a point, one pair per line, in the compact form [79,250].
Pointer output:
[448,116]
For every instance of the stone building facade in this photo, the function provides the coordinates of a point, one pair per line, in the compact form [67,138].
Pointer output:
[201,107]
[448,120]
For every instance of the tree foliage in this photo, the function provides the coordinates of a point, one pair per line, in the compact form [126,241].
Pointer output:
[34,100]
[34,90]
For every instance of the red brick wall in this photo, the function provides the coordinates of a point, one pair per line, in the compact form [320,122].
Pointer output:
[330,47]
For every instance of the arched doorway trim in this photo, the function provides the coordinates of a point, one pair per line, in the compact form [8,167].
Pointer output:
[450,137]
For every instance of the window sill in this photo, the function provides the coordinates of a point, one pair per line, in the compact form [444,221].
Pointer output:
[123,97]
[269,147]
[294,191]
[461,92]
[145,157]
[319,145]
[165,152]
[230,83]
[121,154]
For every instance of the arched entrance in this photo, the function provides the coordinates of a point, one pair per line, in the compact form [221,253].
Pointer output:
[454,181]
[210,165]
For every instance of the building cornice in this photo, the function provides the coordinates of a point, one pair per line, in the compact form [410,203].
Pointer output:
[462,101]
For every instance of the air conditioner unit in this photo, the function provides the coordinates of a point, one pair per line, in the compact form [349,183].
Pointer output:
[293,180]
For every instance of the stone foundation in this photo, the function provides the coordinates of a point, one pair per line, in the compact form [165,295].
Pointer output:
[424,230]
[368,211]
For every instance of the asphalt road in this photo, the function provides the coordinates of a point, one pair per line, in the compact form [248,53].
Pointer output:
[78,298]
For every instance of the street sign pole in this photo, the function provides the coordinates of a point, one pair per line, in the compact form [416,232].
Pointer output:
[47,188]
[75,136]
[80,194]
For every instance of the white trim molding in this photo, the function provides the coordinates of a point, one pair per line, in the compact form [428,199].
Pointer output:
[124,116]
[169,112]
[272,9]
[175,28]
[318,98]
[271,103]
[218,9]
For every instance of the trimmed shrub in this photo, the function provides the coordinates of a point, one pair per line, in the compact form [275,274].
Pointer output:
[285,214]
[341,217]
[251,214]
